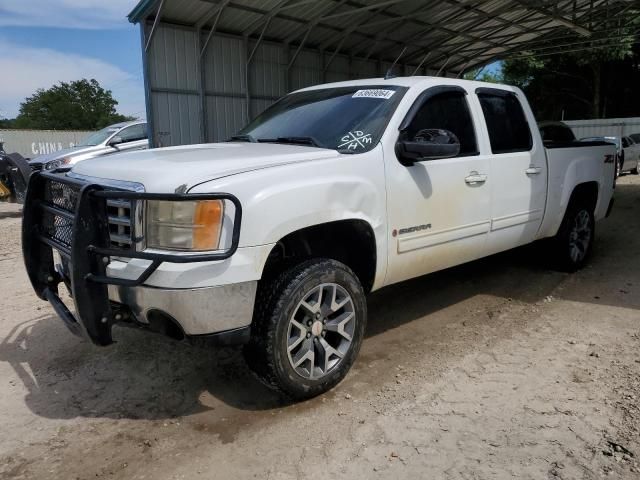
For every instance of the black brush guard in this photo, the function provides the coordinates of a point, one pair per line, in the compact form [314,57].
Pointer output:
[85,243]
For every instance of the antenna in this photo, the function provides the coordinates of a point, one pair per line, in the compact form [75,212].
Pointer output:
[390,71]
[421,63]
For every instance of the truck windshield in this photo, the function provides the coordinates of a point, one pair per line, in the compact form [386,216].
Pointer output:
[98,137]
[347,119]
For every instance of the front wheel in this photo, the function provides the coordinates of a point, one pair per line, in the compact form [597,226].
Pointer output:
[308,326]
[574,241]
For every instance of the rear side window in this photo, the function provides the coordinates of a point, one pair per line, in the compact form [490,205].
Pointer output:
[556,133]
[447,111]
[507,124]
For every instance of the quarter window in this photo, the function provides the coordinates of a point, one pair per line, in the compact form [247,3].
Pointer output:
[507,124]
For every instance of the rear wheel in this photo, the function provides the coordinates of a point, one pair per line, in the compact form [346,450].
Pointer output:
[574,240]
[308,326]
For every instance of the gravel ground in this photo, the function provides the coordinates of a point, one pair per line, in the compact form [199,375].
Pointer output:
[496,369]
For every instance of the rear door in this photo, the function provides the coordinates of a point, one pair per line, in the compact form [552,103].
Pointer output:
[518,169]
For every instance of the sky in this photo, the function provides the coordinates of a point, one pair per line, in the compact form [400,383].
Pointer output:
[43,42]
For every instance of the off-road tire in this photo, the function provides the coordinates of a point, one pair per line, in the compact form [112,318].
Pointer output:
[561,243]
[276,300]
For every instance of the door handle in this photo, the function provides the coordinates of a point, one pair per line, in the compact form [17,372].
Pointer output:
[533,170]
[475,178]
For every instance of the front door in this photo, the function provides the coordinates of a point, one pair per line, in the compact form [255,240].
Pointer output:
[439,210]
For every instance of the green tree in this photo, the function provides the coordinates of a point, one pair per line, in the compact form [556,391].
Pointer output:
[78,105]
[7,123]
[584,81]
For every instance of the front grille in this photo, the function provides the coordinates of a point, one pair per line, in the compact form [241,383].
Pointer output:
[120,223]
[60,228]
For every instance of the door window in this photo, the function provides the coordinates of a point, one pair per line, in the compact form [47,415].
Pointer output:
[447,111]
[507,124]
[133,133]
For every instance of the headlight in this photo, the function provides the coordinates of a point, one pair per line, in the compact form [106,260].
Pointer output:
[184,225]
[57,163]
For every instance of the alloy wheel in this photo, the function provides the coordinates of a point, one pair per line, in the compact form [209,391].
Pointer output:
[321,330]
[580,236]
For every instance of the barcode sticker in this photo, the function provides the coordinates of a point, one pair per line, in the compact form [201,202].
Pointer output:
[374,93]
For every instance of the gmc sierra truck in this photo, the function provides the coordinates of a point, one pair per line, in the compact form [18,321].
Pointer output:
[274,238]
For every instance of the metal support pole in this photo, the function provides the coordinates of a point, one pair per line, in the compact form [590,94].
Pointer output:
[147,88]
[246,81]
[201,89]
[213,28]
[442,67]
[295,55]
[155,24]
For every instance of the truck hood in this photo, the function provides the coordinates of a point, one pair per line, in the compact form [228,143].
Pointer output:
[176,169]
[66,152]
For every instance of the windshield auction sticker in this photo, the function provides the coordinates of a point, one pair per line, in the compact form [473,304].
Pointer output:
[374,93]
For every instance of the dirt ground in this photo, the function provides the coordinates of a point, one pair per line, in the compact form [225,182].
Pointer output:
[497,369]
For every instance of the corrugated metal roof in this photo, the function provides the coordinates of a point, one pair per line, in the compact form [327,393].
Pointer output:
[460,32]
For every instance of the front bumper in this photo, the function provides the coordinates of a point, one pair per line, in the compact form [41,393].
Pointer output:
[70,216]
[198,311]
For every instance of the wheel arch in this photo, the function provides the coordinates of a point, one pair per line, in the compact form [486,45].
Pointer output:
[350,241]
[586,192]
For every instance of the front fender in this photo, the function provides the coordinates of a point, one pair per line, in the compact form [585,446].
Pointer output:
[280,200]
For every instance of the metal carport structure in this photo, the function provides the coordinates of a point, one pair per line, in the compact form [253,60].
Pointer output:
[210,65]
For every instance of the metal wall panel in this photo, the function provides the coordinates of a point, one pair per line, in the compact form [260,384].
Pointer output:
[173,59]
[306,71]
[226,115]
[176,118]
[606,127]
[176,102]
[225,65]
[268,71]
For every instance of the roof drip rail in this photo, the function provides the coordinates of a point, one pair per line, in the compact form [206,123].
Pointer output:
[389,73]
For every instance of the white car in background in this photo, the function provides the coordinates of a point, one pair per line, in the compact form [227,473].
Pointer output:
[120,137]
[631,157]
[628,153]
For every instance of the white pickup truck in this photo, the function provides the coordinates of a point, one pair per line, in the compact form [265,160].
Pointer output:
[274,238]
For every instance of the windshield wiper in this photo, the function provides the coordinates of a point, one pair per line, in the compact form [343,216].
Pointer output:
[242,138]
[293,140]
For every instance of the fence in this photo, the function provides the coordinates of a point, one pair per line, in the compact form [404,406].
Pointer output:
[31,143]
[616,127]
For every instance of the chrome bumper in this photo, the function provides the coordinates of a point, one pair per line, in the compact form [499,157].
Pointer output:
[199,311]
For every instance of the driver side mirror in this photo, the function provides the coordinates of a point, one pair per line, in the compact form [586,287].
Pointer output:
[115,141]
[428,144]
